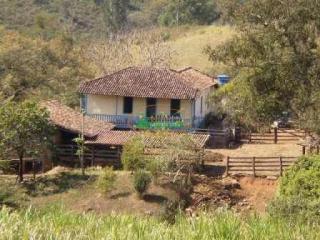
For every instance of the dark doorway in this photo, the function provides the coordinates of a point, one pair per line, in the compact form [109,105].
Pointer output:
[151,107]
[175,107]
[127,105]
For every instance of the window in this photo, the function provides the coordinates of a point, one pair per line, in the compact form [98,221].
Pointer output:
[175,107]
[84,103]
[151,107]
[128,105]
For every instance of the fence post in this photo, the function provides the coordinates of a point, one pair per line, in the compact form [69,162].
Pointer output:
[254,166]
[281,167]
[72,155]
[34,169]
[303,150]
[227,166]
[92,156]
[275,135]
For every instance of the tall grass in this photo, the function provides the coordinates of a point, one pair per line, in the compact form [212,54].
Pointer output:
[56,223]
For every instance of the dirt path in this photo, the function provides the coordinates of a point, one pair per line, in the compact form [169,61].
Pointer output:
[260,150]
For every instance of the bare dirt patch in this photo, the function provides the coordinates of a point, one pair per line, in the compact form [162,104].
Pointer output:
[256,150]
[244,194]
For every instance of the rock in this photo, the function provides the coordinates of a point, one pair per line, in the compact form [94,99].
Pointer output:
[272,178]
[231,183]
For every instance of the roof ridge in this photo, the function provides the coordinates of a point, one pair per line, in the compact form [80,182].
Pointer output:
[107,75]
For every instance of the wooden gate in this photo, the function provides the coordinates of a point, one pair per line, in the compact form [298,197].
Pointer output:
[259,166]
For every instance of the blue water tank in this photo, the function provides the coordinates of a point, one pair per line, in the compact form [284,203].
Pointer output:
[223,79]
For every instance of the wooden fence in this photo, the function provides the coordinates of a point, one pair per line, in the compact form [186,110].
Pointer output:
[218,138]
[11,166]
[259,166]
[94,155]
[276,135]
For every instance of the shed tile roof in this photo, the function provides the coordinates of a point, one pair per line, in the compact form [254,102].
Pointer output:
[120,138]
[71,120]
[197,79]
[141,82]
[117,138]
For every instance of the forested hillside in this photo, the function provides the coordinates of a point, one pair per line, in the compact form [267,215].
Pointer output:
[94,18]
[50,45]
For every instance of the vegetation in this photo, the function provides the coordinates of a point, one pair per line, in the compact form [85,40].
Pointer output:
[299,194]
[274,60]
[180,12]
[220,225]
[132,156]
[142,180]
[38,69]
[106,179]
[98,18]
[24,131]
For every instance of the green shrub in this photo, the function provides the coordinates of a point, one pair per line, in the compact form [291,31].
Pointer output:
[107,179]
[303,179]
[11,195]
[142,180]
[5,166]
[133,155]
[299,193]
[170,211]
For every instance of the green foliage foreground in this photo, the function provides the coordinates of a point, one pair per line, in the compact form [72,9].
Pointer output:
[56,223]
[299,194]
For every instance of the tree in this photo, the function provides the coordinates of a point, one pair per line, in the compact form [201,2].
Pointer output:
[137,48]
[115,13]
[275,63]
[180,12]
[163,153]
[34,68]
[25,130]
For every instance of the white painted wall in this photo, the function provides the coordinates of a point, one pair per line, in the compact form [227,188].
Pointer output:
[201,105]
[113,105]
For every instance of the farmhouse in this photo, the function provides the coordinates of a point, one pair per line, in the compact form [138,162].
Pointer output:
[103,142]
[145,97]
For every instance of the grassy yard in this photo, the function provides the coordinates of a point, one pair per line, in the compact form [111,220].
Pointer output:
[63,204]
[56,223]
[80,194]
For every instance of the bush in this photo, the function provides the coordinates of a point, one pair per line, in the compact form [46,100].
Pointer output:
[133,155]
[170,211]
[142,180]
[107,179]
[11,195]
[5,167]
[303,179]
[299,193]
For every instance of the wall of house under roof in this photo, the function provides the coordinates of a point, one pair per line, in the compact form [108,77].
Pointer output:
[113,105]
[201,105]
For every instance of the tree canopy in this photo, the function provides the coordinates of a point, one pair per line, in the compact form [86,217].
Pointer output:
[275,63]
[25,130]
[179,12]
[34,68]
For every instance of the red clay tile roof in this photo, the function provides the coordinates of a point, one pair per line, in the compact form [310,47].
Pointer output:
[141,82]
[71,120]
[197,79]
[117,138]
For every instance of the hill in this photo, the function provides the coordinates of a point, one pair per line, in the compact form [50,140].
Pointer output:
[189,46]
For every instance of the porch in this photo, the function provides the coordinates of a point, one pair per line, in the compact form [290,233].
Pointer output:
[156,122]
